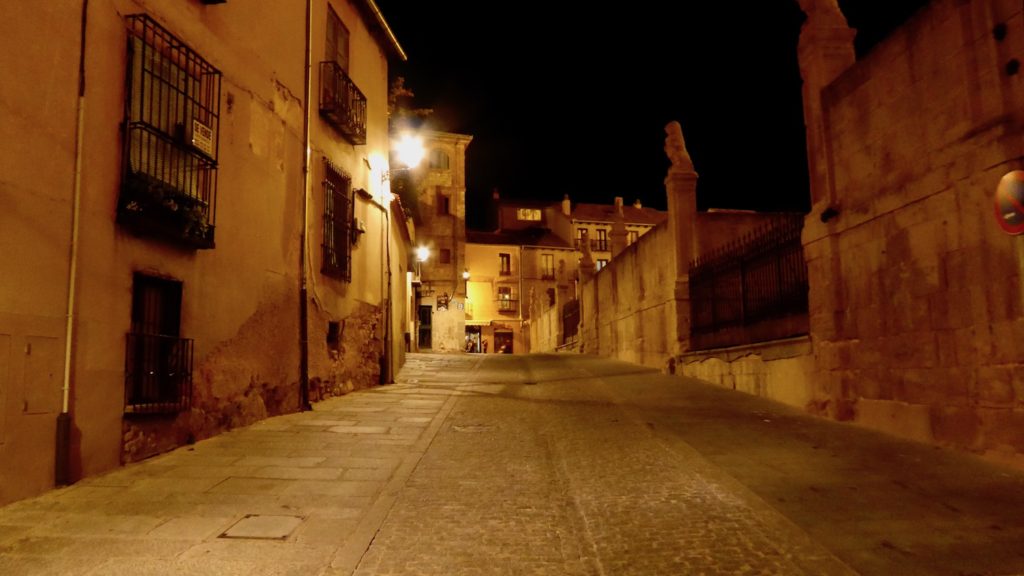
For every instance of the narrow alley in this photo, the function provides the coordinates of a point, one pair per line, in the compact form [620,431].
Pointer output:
[542,464]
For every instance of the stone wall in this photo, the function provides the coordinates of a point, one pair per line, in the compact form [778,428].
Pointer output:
[916,302]
[628,309]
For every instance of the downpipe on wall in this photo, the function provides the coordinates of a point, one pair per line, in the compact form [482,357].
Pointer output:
[62,452]
[303,234]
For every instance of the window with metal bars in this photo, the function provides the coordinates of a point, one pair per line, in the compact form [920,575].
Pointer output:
[337,244]
[170,138]
[158,361]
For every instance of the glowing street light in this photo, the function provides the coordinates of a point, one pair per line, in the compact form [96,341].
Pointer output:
[422,253]
[409,150]
[465,274]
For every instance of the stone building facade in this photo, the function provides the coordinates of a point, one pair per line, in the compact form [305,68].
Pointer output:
[441,294]
[155,242]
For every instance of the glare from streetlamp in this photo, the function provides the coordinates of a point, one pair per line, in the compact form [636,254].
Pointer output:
[422,253]
[409,150]
[465,274]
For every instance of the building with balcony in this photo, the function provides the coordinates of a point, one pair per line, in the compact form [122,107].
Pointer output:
[512,273]
[441,229]
[161,233]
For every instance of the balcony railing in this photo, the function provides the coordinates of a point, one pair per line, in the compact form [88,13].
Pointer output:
[599,245]
[341,103]
[547,275]
[157,374]
[507,305]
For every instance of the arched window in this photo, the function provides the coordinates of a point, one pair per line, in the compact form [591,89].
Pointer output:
[438,159]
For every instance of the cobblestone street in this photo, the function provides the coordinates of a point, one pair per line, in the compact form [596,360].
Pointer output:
[531,465]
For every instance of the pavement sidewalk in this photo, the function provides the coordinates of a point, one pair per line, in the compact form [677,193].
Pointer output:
[293,494]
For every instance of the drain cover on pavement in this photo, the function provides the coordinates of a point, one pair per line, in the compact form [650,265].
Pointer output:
[471,427]
[263,527]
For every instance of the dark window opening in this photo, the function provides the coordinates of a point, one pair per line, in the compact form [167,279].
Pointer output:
[443,205]
[170,138]
[334,336]
[547,266]
[505,264]
[158,362]
[337,40]
[438,159]
[337,244]
[342,104]
[446,256]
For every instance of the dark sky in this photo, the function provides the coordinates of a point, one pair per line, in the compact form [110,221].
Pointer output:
[574,99]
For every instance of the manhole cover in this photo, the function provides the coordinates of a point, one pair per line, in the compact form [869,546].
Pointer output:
[472,427]
[263,527]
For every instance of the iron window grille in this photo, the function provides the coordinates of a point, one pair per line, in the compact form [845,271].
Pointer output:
[158,361]
[170,138]
[338,209]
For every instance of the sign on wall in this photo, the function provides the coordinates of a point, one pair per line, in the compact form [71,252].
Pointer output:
[1009,202]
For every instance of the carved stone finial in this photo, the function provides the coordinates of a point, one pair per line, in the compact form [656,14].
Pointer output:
[822,13]
[675,148]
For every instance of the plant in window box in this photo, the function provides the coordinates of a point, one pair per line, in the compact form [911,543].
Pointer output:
[153,206]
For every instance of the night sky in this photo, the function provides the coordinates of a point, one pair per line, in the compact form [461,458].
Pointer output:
[575,101]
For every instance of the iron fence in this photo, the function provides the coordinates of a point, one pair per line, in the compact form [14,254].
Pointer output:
[759,277]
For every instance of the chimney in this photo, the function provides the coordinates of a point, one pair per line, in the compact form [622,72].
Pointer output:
[618,205]
[637,204]
[566,205]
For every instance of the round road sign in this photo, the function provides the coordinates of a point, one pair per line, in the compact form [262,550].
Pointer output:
[1010,202]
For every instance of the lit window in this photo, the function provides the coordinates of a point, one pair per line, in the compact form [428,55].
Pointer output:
[506,301]
[528,214]
[601,263]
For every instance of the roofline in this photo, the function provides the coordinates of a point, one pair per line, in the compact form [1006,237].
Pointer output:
[386,29]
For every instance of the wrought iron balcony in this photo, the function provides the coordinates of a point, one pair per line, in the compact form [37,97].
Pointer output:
[157,374]
[599,245]
[507,305]
[341,103]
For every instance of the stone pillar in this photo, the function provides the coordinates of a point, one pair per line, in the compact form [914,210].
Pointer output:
[587,267]
[618,233]
[825,51]
[681,188]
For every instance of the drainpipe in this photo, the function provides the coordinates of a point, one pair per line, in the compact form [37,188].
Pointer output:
[62,464]
[303,272]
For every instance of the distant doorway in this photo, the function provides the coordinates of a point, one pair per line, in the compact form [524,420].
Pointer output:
[424,336]
[503,342]
[473,339]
